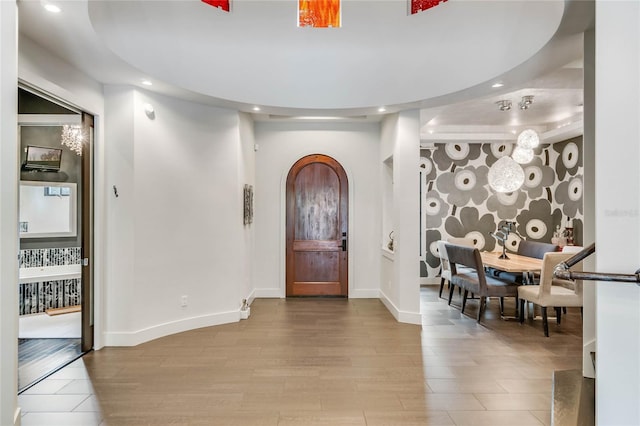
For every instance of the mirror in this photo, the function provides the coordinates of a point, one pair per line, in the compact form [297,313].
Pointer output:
[47,209]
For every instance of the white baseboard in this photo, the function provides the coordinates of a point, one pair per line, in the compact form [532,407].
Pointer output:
[268,293]
[251,297]
[365,293]
[400,316]
[133,338]
[429,281]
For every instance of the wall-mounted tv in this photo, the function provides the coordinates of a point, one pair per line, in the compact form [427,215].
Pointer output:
[43,158]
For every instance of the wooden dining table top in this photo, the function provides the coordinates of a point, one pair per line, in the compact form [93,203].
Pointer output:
[515,262]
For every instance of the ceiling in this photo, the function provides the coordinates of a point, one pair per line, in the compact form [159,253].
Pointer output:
[442,61]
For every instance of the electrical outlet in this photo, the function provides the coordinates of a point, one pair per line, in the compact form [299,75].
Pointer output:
[183,301]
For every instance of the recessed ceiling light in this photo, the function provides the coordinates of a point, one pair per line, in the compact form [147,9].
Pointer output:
[52,8]
[147,83]
[382,109]
[256,108]
[496,85]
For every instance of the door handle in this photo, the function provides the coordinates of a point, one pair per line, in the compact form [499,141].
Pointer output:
[344,241]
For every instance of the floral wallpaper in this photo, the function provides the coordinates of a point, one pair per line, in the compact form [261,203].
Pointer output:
[457,200]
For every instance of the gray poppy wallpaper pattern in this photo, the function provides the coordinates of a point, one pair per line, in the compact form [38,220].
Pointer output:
[457,200]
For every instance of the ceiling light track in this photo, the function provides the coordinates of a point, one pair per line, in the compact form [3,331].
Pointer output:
[504,105]
[524,104]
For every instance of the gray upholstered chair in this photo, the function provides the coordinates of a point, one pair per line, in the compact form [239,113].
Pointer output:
[531,249]
[445,274]
[535,248]
[473,280]
[546,294]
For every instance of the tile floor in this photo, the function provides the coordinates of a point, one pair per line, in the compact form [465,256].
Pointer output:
[64,398]
[321,362]
[38,326]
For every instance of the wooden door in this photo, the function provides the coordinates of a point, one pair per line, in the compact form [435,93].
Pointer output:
[317,215]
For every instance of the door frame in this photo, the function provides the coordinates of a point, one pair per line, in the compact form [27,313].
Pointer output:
[87,208]
[282,293]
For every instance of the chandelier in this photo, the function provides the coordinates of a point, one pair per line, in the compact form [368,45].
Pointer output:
[522,155]
[528,139]
[505,175]
[73,137]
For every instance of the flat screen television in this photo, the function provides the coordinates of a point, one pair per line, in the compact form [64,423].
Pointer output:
[43,158]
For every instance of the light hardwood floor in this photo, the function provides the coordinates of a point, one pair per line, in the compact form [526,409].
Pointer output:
[321,362]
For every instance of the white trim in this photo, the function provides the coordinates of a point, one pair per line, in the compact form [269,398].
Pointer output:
[251,297]
[400,316]
[133,338]
[17,417]
[268,293]
[365,293]
[49,119]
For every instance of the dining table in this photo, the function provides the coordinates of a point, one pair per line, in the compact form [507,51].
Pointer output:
[514,263]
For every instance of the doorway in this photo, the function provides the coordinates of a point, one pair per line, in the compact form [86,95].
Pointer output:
[55,199]
[317,203]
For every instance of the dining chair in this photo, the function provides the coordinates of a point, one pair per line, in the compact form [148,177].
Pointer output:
[569,283]
[462,241]
[546,294]
[535,249]
[527,248]
[474,280]
[445,269]
[445,275]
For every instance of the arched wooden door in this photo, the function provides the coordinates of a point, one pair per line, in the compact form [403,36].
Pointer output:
[317,220]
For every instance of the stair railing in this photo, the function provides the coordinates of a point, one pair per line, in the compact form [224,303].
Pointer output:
[562,270]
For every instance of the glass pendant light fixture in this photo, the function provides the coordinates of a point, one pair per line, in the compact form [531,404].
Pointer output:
[528,139]
[522,155]
[73,138]
[505,175]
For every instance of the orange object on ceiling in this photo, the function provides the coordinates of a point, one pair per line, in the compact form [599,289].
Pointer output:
[319,13]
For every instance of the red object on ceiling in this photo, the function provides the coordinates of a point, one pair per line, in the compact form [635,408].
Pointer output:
[420,5]
[220,4]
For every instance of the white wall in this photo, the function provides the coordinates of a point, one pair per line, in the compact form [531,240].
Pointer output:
[589,204]
[246,175]
[356,147]
[9,411]
[617,153]
[176,228]
[401,140]
[208,151]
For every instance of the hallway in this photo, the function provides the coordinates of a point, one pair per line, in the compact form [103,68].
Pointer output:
[321,362]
